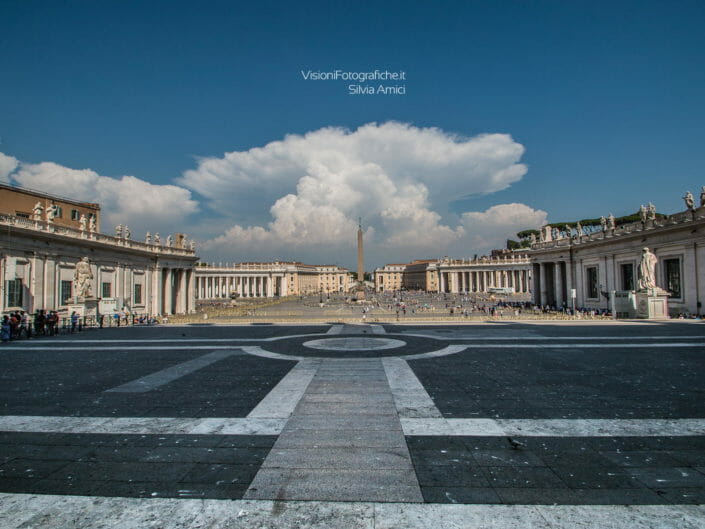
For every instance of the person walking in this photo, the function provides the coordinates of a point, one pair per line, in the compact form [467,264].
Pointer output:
[74,321]
[5,329]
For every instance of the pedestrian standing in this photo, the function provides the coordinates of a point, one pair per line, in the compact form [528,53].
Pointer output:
[24,323]
[5,329]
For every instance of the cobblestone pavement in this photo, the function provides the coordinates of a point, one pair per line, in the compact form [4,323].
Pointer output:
[486,425]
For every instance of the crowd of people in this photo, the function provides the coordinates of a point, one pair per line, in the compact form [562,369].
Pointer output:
[21,325]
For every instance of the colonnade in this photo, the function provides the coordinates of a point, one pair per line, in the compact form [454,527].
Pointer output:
[465,281]
[553,282]
[245,286]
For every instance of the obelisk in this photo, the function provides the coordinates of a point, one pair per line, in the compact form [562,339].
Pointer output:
[360,287]
[360,255]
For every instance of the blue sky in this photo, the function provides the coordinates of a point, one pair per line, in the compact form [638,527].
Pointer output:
[607,100]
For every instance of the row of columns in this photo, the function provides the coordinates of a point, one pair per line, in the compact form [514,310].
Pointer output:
[173,290]
[483,280]
[248,286]
[553,282]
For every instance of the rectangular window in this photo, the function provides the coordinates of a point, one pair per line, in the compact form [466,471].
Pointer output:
[627,276]
[138,294]
[672,274]
[65,292]
[14,292]
[591,286]
[107,290]
[75,214]
[59,212]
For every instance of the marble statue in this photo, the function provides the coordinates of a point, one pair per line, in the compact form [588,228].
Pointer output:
[168,240]
[82,278]
[702,197]
[533,238]
[83,222]
[118,231]
[193,246]
[579,229]
[647,270]
[148,238]
[610,222]
[92,224]
[603,223]
[568,231]
[157,240]
[126,232]
[38,210]
[689,201]
[51,212]
[651,212]
[643,212]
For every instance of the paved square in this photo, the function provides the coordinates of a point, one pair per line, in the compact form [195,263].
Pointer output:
[498,424]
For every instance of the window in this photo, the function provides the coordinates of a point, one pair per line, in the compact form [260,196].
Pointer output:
[75,214]
[59,212]
[627,276]
[672,274]
[107,290]
[14,292]
[591,285]
[138,294]
[65,292]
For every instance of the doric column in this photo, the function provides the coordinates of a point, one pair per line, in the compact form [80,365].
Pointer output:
[442,282]
[191,291]
[558,283]
[543,285]
[168,291]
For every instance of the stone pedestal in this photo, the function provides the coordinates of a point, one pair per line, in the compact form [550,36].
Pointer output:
[88,308]
[652,304]
[359,292]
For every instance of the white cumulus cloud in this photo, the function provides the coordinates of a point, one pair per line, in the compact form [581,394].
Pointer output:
[126,200]
[310,190]
[7,166]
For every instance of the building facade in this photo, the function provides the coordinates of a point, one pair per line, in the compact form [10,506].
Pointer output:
[592,265]
[38,262]
[35,205]
[268,280]
[390,277]
[511,273]
[507,274]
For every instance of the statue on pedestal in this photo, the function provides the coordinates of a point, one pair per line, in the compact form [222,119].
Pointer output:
[92,224]
[643,213]
[83,222]
[126,232]
[168,240]
[37,211]
[702,197]
[579,229]
[651,212]
[603,223]
[610,222]
[82,278]
[118,231]
[689,201]
[52,212]
[647,270]
[148,238]
[157,240]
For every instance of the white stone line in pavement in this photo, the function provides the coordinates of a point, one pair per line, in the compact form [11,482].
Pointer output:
[141,425]
[335,329]
[160,378]
[495,338]
[258,351]
[449,350]
[554,427]
[285,396]
[50,512]
[410,397]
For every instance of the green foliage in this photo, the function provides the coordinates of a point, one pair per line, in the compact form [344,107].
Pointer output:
[525,234]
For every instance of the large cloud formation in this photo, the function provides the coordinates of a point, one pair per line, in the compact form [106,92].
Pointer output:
[309,191]
[126,200]
[301,197]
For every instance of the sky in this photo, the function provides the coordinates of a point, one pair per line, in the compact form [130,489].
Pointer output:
[197,117]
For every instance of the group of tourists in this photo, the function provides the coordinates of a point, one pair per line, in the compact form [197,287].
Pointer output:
[18,324]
